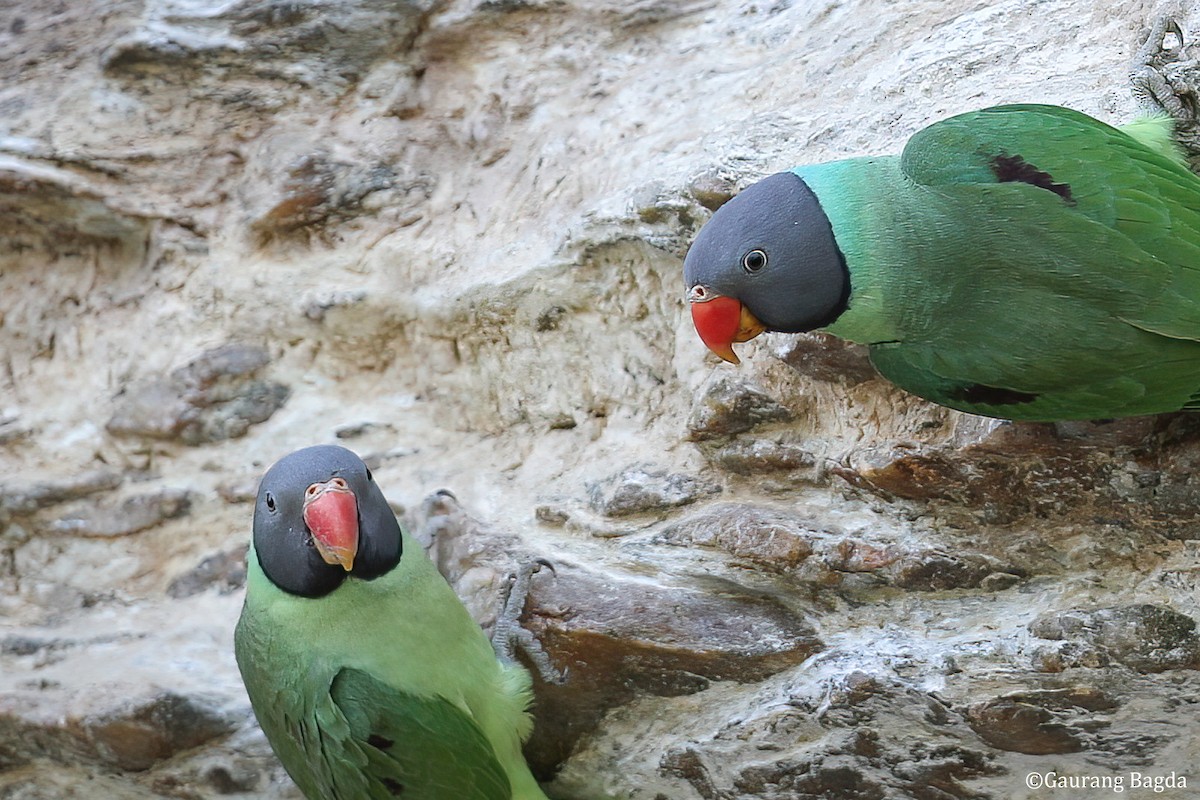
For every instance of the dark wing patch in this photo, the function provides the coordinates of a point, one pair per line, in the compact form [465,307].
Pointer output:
[1014,169]
[379,742]
[977,393]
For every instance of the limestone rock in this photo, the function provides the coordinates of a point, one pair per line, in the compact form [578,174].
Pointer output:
[1135,472]
[139,736]
[212,398]
[729,406]
[475,557]
[243,489]
[759,535]
[845,751]
[642,489]
[746,456]
[226,571]
[464,222]
[59,206]
[316,189]
[1039,723]
[276,41]
[23,500]
[924,569]
[712,189]
[133,514]
[826,358]
[11,431]
[614,638]
[1144,637]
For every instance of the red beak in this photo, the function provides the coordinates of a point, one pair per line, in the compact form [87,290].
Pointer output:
[717,321]
[331,514]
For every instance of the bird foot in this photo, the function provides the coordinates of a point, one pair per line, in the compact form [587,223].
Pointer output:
[509,638]
[1166,79]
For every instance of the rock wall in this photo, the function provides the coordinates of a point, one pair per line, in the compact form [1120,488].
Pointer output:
[449,235]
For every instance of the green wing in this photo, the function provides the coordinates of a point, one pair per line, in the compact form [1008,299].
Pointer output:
[418,748]
[353,737]
[1147,204]
[1075,253]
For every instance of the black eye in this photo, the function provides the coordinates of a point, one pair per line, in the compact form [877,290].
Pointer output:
[270,502]
[370,477]
[754,261]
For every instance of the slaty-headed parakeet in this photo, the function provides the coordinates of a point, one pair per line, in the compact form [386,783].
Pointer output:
[365,671]
[1025,262]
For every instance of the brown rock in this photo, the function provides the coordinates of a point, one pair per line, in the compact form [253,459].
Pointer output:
[615,638]
[999,581]
[1069,655]
[1139,472]
[729,406]
[712,189]
[137,737]
[822,776]
[23,741]
[243,489]
[1022,728]
[687,763]
[939,772]
[760,535]
[318,189]
[919,569]
[827,358]
[754,456]
[1033,722]
[853,555]
[917,475]
[931,571]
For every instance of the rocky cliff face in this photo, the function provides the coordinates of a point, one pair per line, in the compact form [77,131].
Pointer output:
[449,236]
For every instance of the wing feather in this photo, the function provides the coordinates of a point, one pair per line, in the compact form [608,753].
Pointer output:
[1080,291]
[1147,206]
[420,748]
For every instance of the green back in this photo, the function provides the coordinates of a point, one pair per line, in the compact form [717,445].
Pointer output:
[1026,262]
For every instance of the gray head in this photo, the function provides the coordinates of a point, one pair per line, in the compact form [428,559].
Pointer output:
[768,253]
[319,518]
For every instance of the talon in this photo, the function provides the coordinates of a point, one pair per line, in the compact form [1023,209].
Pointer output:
[508,636]
[1165,78]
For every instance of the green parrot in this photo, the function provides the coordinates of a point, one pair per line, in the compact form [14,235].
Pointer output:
[1024,262]
[367,675]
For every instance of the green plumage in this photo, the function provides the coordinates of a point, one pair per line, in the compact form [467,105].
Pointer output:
[384,688]
[1025,262]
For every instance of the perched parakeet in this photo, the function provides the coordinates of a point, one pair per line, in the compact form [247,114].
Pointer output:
[1026,262]
[365,671]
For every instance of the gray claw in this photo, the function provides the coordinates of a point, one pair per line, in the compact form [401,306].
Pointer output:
[1157,75]
[1165,79]
[509,638]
